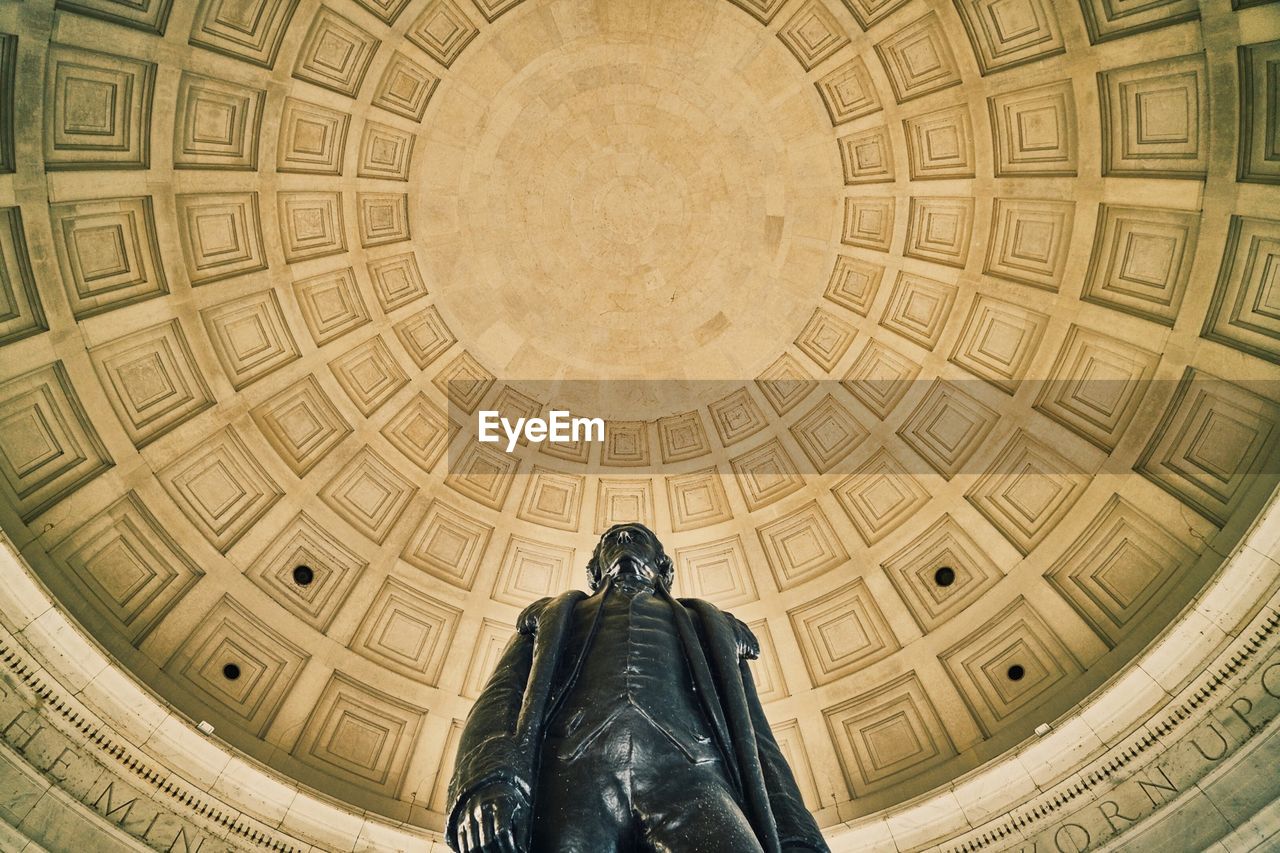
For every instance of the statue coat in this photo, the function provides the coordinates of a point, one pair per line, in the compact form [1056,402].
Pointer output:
[502,739]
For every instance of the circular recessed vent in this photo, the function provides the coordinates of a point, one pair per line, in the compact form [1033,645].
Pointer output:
[303,575]
[1016,672]
[231,672]
[944,576]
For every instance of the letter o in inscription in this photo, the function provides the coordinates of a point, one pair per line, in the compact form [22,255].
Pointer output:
[1273,690]
[1076,847]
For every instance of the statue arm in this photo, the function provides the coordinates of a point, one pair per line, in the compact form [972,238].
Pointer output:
[488,752]
[797,830]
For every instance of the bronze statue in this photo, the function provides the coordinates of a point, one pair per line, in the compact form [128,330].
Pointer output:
[625,720]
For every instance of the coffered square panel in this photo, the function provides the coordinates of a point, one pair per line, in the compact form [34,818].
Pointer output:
[1030,240]
[828,433]
[717,571]
[867,156]
[443,30]
[1259,160]
[940,144]
[1112,19]
[334,570]
[313,138]
[250,337]
[1035,131]
[382,218]
[939,230]
[842,631]
[1027,490]
[483,474]
[405,88]
[310,225]
[424,336]
[766,474]
[1155,119]
[1243,313]
[251,34]
[999,341]
[785,383]
[370,374]
[854,284]
[1118,568]
[697,499]
[125,567]
[448,544]
[97,110]
[1097,385]
[108,253]
[335,53]
[236,665]
[879,378]
[301,424]
[152,380]
[868,223]
[813,34]
[919,308]
[553,499]
[941,572]
[385,152]
[50,447]
[848,92]
[626,444]
[421,431]
[531,569]
[1141,260]
[1011,663]
[221,235]
[947,427]
[331,303]
[682,436]
[887,734]
[918,59]
[216,124]
[370,494]
[1215,438]
[360,735]
[801,545]
[21,311]
[407,630]
[1008,33]
[737,416]
[221,487]
[397,281]
[880,496]
[150,16]
[621,500]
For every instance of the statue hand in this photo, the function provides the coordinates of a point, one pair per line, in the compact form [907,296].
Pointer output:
[494,820]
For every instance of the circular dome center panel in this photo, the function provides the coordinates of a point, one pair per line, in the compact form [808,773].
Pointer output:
[643,198]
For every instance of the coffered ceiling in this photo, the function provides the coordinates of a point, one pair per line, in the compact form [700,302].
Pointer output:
[938,341]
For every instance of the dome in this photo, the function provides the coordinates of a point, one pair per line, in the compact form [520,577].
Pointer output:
[939,342]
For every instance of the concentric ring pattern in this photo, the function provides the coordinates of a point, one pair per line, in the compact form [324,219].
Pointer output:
[964,319]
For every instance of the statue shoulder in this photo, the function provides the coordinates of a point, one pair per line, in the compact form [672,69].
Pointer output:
[746,641]
[531,616]
[527,622]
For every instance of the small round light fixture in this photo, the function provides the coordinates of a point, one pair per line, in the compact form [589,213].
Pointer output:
[231,672]
[303,575]
[944,576]
[1016,672]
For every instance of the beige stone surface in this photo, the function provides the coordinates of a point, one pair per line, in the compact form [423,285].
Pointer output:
[863,290]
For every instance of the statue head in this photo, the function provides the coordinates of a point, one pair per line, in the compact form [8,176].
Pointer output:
[629,548]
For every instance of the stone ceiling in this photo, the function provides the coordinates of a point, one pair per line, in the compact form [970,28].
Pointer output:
[911,285]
